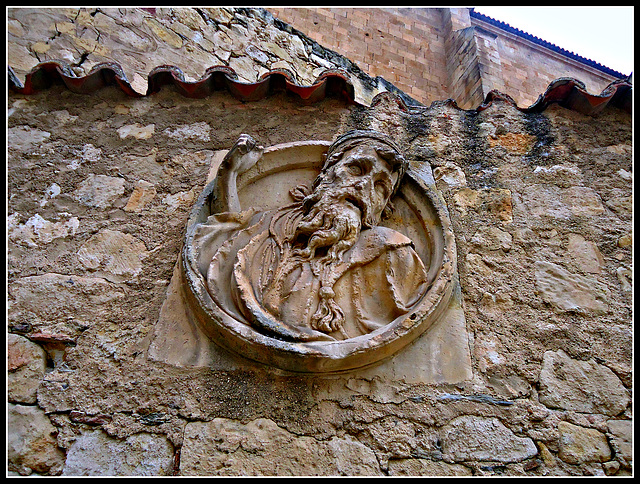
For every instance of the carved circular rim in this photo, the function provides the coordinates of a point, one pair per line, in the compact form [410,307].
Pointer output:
[316,356]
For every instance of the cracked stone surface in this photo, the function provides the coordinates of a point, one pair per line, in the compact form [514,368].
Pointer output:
[192,39]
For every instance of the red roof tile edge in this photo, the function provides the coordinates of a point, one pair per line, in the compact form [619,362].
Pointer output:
[572,94]
[568,92]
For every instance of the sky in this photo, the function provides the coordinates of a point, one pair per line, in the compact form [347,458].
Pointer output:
[601,34]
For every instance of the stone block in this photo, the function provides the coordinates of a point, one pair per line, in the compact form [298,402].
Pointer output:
[114,255]
[621,438]
[569,292]
[581,386]
[31,445]
[227,447]
[579,445]
[470,438]
[61,304]
[99,191]
[94,453]
[26,363]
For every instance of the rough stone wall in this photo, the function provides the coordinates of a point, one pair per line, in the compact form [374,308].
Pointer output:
[99,189]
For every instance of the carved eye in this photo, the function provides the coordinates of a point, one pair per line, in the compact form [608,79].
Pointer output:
[355,169]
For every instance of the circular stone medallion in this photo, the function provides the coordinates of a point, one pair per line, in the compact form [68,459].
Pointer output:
[388,288]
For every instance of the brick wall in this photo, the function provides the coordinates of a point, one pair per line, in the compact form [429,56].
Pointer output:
[527,70]
[429,54]
[405,46]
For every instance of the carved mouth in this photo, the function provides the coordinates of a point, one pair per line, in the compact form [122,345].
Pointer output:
[356,203]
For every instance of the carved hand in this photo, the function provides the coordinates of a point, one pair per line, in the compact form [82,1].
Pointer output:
[243,155]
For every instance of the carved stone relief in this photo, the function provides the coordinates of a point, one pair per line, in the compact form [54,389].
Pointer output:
[318,257]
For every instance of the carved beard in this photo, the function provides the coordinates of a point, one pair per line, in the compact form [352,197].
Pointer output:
[330,226]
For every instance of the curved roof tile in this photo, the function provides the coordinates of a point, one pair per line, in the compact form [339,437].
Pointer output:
[571,94]
[215,78]
[568,92]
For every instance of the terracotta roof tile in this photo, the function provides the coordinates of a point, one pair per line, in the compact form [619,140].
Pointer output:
[567,92]
[216,78]
[571,94]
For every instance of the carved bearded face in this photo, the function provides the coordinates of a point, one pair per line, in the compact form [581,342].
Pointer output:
[362,180]
[350,193]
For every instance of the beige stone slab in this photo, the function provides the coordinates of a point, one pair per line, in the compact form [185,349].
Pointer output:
[440,355]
